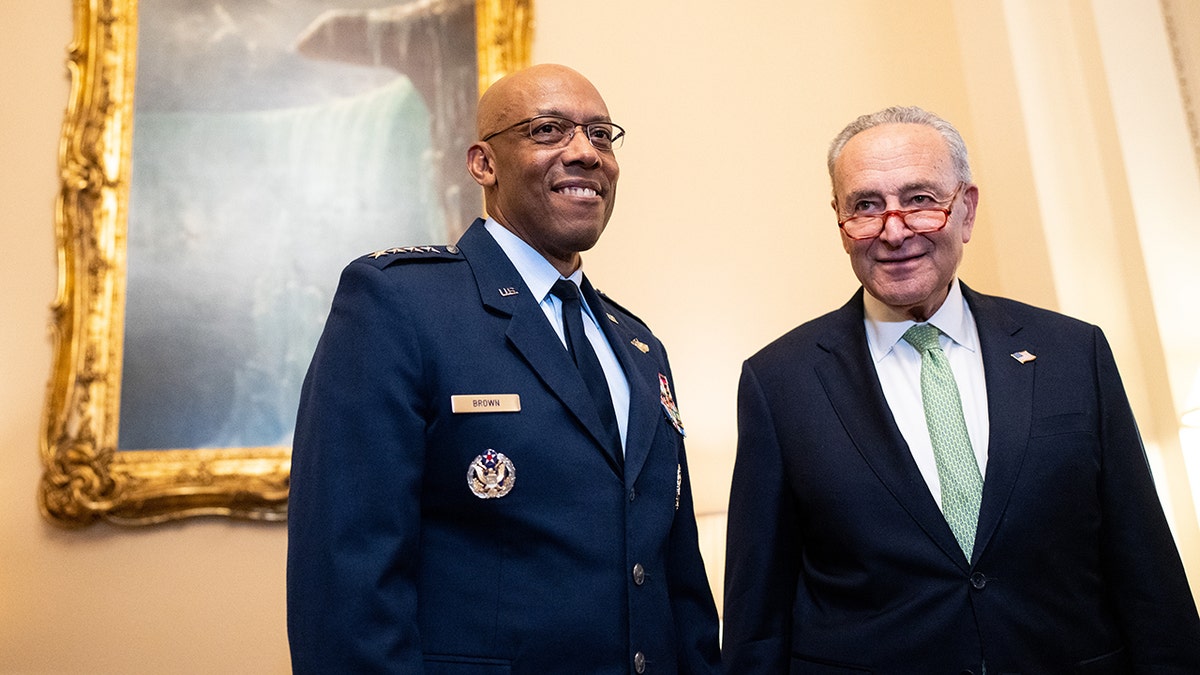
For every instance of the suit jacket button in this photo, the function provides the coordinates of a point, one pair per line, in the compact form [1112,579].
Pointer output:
[639,574]
[632,494]
[978,581]
[639,663]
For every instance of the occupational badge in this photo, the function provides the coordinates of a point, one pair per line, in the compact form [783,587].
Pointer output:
[678,483]
[668,404]
[491,475]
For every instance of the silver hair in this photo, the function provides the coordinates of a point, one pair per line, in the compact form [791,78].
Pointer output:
[906,115]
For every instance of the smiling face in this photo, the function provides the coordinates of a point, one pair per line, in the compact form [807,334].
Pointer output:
[557,199]
[903,167]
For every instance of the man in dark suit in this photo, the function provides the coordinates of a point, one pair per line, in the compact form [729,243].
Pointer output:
[932,480]
[489,476]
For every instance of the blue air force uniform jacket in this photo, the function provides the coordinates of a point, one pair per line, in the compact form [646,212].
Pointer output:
[403,556]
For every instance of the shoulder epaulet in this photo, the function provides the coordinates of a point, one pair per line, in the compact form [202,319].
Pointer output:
[388,256]
[618,305]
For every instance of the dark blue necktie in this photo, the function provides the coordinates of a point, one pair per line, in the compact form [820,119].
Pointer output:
[586,360]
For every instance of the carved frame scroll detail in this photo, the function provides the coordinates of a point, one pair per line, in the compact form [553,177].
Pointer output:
[85,477]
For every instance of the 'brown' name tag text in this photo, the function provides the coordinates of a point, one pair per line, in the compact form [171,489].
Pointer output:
[485,403]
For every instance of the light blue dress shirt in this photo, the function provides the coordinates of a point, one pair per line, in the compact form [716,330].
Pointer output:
[539,275]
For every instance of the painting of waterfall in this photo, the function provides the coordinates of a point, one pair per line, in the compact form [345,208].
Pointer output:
[273,142]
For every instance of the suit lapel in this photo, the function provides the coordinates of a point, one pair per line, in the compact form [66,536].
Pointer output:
[641,371]
[850,381]
[1010,395]
[528,331]
[853,388]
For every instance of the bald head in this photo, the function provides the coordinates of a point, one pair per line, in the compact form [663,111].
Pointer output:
[555,195]
[510,98]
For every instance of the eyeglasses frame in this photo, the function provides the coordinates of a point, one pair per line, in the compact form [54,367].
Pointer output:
[617,138]
[903,215]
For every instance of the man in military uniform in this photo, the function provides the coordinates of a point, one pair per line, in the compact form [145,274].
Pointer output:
[488,473]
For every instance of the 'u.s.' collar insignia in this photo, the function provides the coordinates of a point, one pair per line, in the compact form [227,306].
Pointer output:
[668,404]
[642,346]
[491,475]
[611,317]
[1023,356]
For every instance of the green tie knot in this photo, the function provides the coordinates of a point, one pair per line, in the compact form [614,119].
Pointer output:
[958,470]
[923,337]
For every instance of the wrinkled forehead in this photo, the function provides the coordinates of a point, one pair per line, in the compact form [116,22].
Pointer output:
[886,158]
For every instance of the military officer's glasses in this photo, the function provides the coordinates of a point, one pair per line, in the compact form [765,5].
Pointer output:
[867,223]
[556,131]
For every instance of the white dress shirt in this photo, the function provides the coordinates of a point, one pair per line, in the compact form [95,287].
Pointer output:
[539,275]
[899,367]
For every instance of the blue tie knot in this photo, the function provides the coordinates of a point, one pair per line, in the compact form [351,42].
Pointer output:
[566,290]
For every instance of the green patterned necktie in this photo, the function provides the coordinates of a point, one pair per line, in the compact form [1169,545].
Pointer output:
[958,471]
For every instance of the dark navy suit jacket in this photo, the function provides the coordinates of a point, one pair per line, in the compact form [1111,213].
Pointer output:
[840,561]
[395,565]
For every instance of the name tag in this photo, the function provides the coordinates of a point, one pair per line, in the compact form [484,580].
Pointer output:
[485,403]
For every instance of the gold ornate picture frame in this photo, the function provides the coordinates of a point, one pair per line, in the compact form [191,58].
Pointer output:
[86,477]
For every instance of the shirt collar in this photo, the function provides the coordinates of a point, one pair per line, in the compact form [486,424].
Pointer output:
[952,318]
[537,272]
